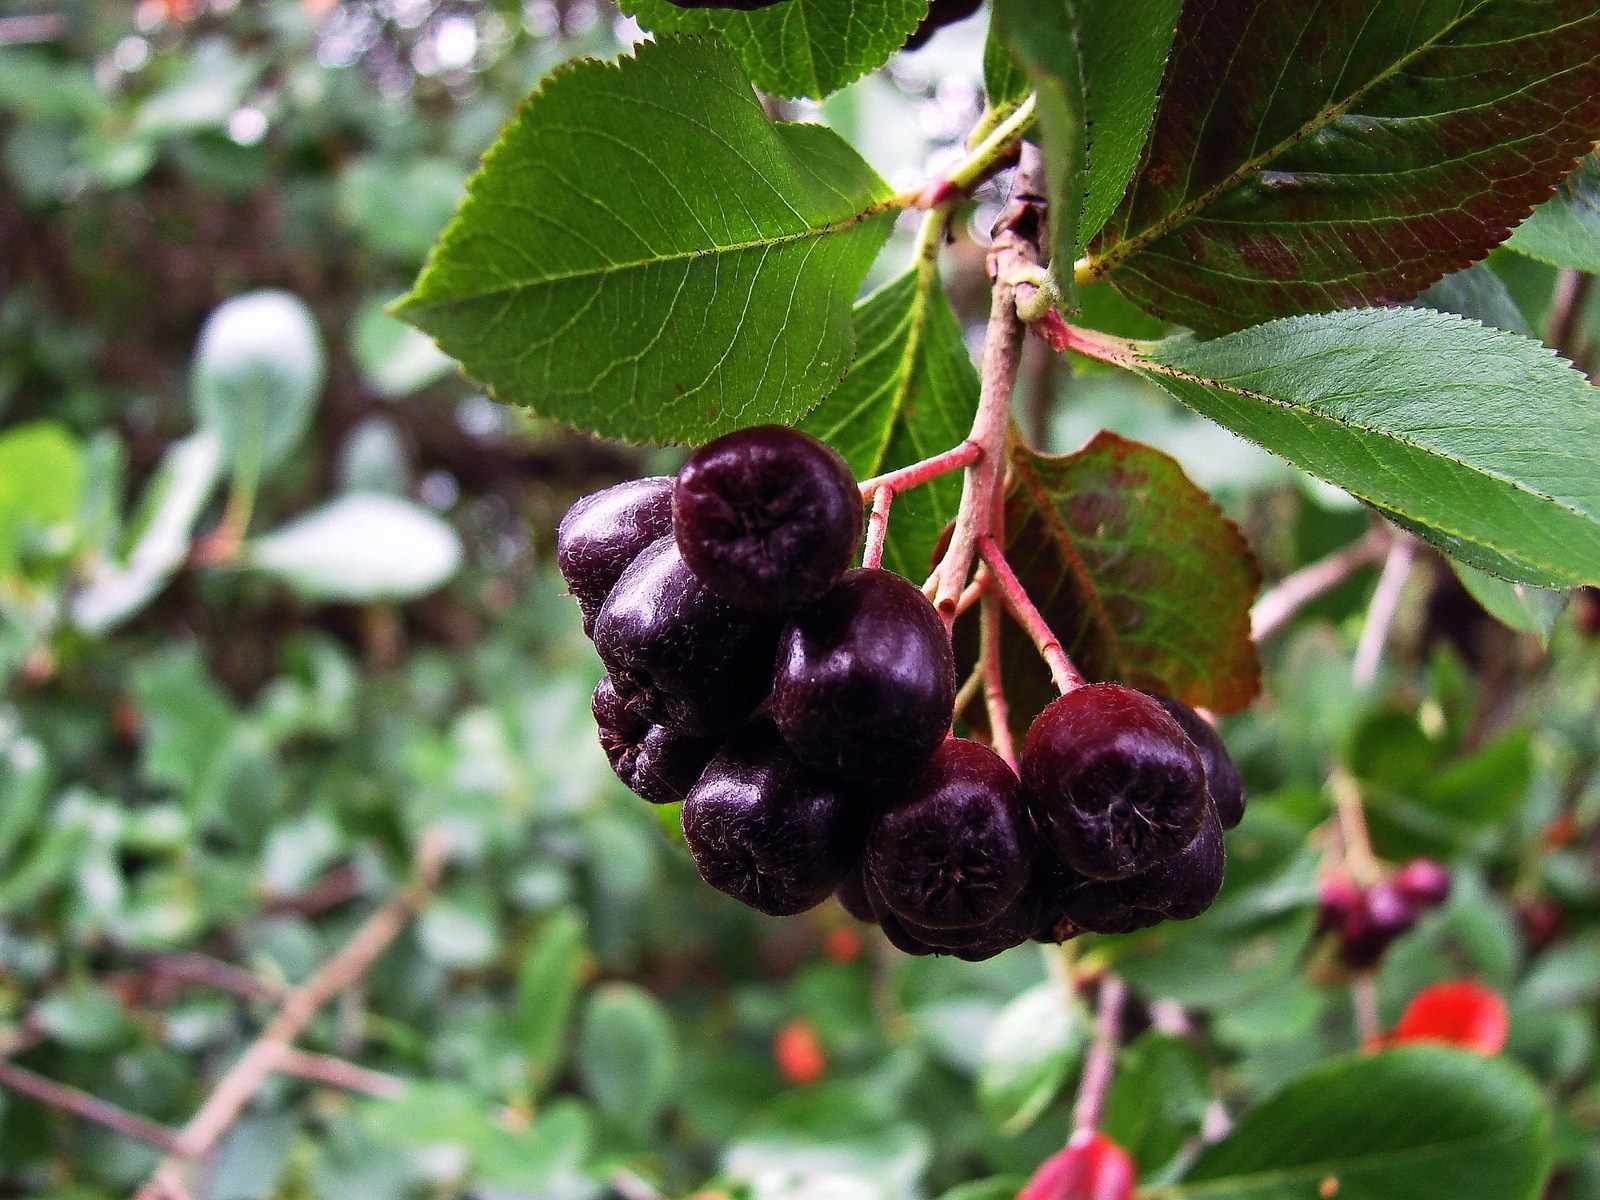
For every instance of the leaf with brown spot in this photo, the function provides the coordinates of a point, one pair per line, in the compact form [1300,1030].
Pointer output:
[1138,572]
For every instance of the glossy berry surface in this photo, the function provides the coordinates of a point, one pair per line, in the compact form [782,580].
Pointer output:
[865,680]
[955,850]
[1182,887]
[683,657]
[1092,1167]
[1222,776]
[1113,782]
[603,533]
[767,517]
[1424,882]
[852,897]
[766,830]
[1462,1013]
[655,763]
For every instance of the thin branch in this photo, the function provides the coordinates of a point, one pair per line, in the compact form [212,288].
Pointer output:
[1563,327]
[42,27]
[1278,605]
[336,1072]
[1364,995]
[89,1108]
[981,161]
[877,527]
[265,1054]
[1101,1063]
[189,967]
[1348,805]
[899,480]
[1381,613]
[1063,674]
[994,690]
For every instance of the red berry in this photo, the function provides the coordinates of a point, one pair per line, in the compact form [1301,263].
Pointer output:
[1092,1167]
[1462,1013]
[799,1054]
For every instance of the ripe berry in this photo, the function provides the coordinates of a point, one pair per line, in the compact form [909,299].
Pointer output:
[1092,1167]
[1463,1013]
[767,517]
[865,680]
[799,1054]
[1222,776]
[1424,882]
[767,831]
[852,897]
[604,532]
[1383,915]
[681,656]
[1182,887]
[954,852]
[1113,782]
[655,763]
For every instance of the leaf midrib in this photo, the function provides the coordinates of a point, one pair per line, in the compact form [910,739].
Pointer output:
[609,269]
[1099,265]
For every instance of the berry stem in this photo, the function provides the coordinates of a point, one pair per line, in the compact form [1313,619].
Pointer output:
[1278,605]
[1101,1063]
[994,691]
[1364,997]
[1062,673]
[921,472]
[877,527]
[1381,613]
[1359,859]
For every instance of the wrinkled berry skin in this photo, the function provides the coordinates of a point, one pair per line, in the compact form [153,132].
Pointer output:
[655,763]
[866,679]
[767,517]
[954,851]
[1222,776]
[679,655]
[767,831]
[1113,782]
[603,533]
[1179,888]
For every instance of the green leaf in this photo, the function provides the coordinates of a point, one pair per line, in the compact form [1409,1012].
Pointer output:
[1028,1055]
[1517,606]
[643,304]
[547,988]
[910,394]
[1005,83]
[1310,157]
[41,481]
[1565,229]
[1479,294]
[186,722]
[1480,441]
[800,47]
[1137,571]
[256,376]
[1158,1099]
[399,205]
[394,359]
[627,1058]
[360,548]
[1418,1123]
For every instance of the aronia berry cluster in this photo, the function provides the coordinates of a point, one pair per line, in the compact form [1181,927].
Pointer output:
[801,711]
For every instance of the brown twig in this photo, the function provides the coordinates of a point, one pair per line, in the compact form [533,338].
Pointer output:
[336,1072]
[265,1054]
[1278,605]
[189,967]
[1101,1063]
[1381,613]
[89,1108]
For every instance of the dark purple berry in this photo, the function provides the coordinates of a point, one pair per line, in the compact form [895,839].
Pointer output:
[865,679]
[1383,915]
[852,897]
[602,533]
[1113,782]
[1337,897]
[655,763]
[767,517]
[1182,887]
[1424,882]
[681,656]
[954,851]
[767,831]
[896,931]
[1222,776]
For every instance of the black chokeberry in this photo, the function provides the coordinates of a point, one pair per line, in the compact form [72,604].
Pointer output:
[1182,887]
[1424,882]
[1383,915]
[680,655]
[865,679]
[604,532]
[852,897]
[656,763]
[1222,776]
[955,850]
[767,517]
[1113,782]
[766,830]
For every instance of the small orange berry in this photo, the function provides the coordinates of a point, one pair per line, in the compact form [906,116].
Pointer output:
[799,1055]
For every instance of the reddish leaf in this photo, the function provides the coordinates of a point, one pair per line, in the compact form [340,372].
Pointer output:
[1310,157]
[1138,572]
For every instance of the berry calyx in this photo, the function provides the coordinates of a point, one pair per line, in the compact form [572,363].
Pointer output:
[766,830]
[1113,782]
[865,682]
[681,656]
[1091,1167]
[768,517]
[604,532]
[656,764]
[954,852]
[1462,1013]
